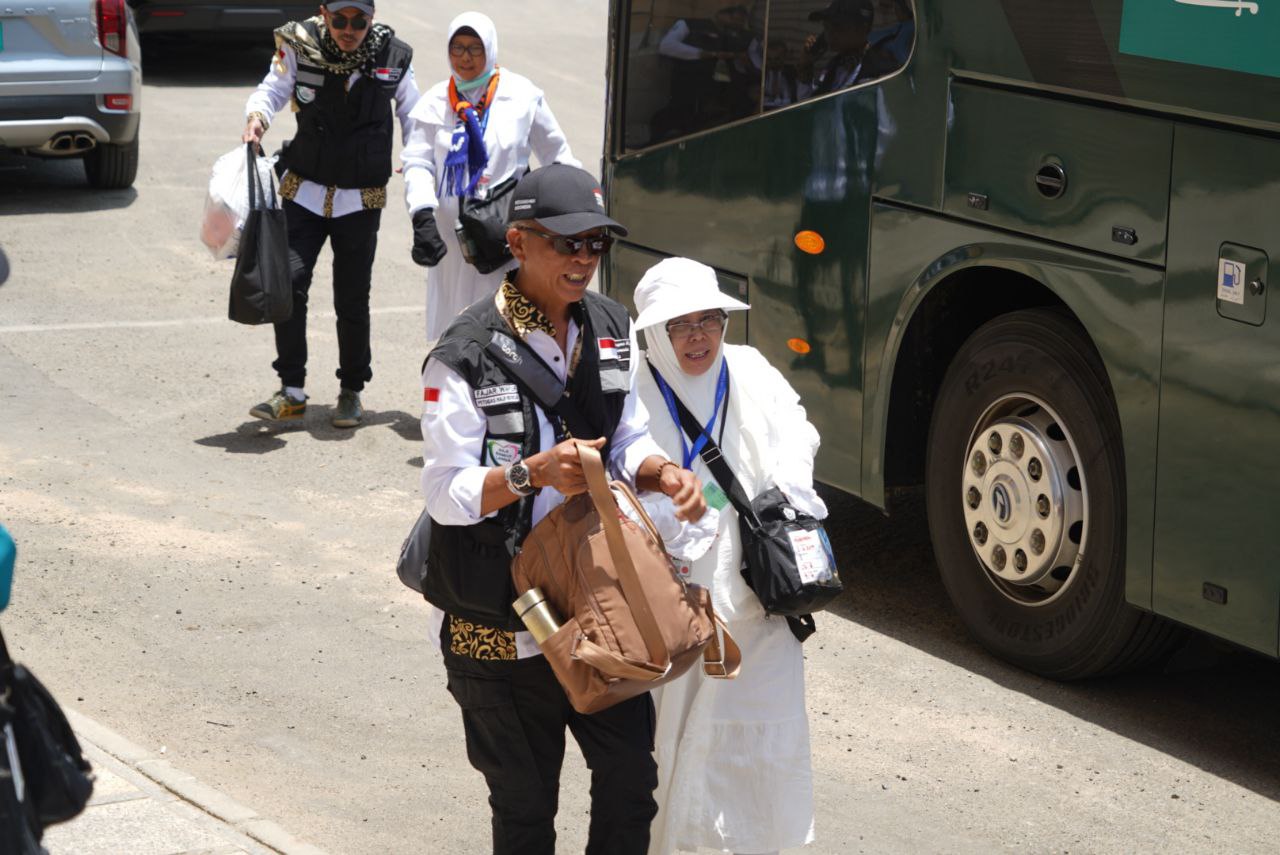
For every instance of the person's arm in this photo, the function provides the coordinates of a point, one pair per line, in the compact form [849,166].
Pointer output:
[418,155]
[407,97]
[673,45]
[547,140]
[270,95]
[793,439]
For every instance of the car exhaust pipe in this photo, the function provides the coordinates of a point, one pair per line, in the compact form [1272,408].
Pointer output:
[62,143]
[83,142]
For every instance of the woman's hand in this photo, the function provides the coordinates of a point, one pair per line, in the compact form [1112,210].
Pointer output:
[685,491]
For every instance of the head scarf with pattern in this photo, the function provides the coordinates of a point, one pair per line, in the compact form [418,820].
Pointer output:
[320,49]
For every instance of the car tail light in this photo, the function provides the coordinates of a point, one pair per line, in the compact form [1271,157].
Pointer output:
[113,26]
[118,102]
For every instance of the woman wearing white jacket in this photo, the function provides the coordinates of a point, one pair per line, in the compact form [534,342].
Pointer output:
[443,159]
[734,769]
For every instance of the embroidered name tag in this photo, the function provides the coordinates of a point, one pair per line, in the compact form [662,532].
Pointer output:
[493,396]
[391,75]
[501,452]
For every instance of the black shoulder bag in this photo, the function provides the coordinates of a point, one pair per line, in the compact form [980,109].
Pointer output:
[482,227]
[788,561]
[52,782]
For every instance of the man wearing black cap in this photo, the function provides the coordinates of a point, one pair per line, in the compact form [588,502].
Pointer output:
[342,72]
[840,57]
[494,464]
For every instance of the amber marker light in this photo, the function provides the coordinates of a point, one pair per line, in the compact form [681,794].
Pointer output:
[810,242]
[799,345]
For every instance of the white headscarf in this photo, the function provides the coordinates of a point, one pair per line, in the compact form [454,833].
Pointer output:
[488,35]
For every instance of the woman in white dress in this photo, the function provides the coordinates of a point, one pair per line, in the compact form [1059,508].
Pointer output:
[733,756]
[513,121]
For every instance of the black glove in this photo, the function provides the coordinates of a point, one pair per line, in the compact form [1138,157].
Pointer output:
[428,247]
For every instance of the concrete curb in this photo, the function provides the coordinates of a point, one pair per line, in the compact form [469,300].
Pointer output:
[243,819]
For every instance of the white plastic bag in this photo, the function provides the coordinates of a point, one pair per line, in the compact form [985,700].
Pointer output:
[227,203]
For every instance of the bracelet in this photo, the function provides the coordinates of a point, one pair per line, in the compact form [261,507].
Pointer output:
[261,118]
[664,465]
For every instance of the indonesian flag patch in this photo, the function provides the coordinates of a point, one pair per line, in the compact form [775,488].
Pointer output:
[431,396]
[391,75]
[608,349]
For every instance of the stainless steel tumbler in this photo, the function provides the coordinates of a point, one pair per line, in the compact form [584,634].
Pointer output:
[539,619]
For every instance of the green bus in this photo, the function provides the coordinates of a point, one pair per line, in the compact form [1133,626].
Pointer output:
[1015,251]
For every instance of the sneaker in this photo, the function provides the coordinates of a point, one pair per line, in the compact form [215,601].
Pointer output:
[280,408]
[348,413]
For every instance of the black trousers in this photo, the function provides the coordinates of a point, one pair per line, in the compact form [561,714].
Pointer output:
[514,714]
[354,239]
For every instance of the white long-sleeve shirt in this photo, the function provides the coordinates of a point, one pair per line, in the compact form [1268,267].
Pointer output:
[673,43]
[277,89]
[453,453]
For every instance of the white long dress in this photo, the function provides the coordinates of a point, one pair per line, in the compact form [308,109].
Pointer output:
[520,124]
[734,769]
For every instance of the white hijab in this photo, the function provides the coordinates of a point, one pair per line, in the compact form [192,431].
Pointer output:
[488,35]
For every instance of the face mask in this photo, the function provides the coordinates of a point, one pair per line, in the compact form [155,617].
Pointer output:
[7,554]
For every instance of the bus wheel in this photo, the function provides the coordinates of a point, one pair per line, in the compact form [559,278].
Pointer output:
[1026,500]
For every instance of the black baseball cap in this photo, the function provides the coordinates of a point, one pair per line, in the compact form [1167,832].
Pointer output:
[858,11]
[562,198]
[365,6]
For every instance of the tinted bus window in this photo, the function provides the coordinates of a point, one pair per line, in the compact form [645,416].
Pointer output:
[692,65]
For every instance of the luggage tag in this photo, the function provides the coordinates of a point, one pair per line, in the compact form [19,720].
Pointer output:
[715,496]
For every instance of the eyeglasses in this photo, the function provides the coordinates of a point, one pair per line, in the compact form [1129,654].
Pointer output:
[473,51]
[340,22]
[710,324]
[595,244]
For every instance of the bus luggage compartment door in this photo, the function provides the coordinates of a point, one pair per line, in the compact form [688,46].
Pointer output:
[1085,176]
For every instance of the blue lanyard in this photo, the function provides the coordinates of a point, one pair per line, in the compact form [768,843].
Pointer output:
[722,388]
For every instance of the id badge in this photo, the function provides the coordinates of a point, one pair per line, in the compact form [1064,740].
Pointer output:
[716,497]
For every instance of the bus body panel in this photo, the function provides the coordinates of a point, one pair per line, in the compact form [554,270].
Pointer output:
[1220,404]
[1117,302]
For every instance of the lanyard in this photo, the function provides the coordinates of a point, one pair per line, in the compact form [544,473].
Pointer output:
[722,389]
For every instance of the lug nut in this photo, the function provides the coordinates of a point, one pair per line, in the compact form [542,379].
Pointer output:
[1042,505]
[1015,445]
[979,463]
[1034,469]
[998,556]
[973,497]
[994,443]
[980,534]
[1020,561]
[1037,541]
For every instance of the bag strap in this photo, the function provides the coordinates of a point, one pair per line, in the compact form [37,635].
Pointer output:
[715,663]
[607,509]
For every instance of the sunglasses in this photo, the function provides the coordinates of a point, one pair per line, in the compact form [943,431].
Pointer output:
[474,51]
[595,244]
[710,324]
[340,22]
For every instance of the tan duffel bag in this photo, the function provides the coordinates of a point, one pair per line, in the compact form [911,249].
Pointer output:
[630,623]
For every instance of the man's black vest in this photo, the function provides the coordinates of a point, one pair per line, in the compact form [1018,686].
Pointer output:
[469,567]
[344,138]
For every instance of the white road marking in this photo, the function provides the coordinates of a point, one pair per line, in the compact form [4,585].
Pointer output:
[174,322]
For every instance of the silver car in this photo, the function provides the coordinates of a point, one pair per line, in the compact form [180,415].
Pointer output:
[71,84]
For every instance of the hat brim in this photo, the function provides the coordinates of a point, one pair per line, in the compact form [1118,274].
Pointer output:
[339,5]
[572,224]
[664,311]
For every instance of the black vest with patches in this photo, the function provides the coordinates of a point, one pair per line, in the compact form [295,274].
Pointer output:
[469,567]
[344,138]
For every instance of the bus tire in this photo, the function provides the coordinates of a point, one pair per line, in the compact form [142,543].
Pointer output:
[1026,501]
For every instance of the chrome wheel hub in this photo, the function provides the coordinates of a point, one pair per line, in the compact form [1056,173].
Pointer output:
[1025,500]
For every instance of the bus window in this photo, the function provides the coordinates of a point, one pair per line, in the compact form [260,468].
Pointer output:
[816,47]
[689,67]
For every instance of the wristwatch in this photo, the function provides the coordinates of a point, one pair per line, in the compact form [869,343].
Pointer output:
[518,479]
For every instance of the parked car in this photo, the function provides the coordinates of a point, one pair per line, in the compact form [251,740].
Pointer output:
[229,17]
[71,85]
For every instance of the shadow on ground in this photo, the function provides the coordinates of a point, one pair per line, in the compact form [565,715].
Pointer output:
[260,437]
[1210,704]
[35,185]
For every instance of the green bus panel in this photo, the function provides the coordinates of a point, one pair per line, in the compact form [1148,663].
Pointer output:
[1219,496]
[1118,302]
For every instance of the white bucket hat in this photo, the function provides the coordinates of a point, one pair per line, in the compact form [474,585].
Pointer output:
[678,286]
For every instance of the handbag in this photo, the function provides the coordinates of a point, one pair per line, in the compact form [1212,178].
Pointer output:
[482,227]
[261,286]
[787,557]
[56,780]
[630,622]
[412,565]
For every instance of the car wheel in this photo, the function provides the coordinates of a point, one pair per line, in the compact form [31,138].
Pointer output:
[112,167]
[1025,487]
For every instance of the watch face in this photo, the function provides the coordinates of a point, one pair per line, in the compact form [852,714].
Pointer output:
[520,475]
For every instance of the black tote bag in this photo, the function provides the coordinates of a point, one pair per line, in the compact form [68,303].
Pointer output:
[482,227]
[261,287]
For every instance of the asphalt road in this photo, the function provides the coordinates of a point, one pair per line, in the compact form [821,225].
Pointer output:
[198,581]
